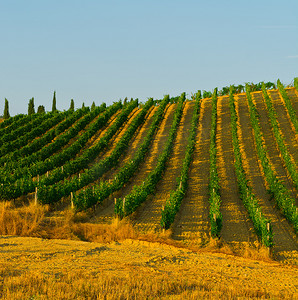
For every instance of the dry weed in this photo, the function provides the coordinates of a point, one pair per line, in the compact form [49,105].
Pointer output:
[133,285]
[35,220]
[22,221]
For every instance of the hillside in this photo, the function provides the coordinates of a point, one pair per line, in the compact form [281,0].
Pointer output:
[126,160]
[33,268]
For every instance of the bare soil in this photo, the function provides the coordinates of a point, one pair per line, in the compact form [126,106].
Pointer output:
[148,218]
[286,127]
[192,221]
[274,154]
[293,95]
[237,227]
[106,213]
[285,241]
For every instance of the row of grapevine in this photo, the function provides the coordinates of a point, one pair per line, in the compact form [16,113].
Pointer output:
[93,195]
[281,195]
[291,110]
[46,138]
[214,190]
[69,167]
[43,161]
[30,122]
[296,83]
[11,123]
[261,224]
[82,161]
[172,205]
[38,130]
[290,164]
[126,206]
[53,193]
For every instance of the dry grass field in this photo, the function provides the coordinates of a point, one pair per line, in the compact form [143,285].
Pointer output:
[35,268]
[70,258]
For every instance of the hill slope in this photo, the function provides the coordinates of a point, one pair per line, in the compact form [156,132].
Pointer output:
[101,149]
[33,268]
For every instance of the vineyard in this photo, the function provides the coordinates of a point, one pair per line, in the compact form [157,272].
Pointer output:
[219,166]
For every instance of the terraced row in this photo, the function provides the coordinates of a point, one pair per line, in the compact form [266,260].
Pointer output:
[112,148]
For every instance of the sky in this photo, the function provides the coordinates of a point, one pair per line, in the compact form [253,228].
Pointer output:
[103,51]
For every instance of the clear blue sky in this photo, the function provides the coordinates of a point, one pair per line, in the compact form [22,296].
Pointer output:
[106,50]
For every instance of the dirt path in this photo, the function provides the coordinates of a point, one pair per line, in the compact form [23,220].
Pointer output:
[148,218]
[134,144]
[106,151]
[108,204]
[284,238]
[237,227]
[100,133]
[33,268]
[286,127]
[192,221]
[274,154]
[117,136]
[293,95]
[106,215]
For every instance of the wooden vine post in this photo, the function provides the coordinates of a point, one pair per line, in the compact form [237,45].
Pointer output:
[35,196]
[71,200]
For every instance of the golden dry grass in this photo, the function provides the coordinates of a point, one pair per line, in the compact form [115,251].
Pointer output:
[22,221]
[36,221]
[120,263]
[32,268]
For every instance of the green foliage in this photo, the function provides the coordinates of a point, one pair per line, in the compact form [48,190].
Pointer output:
[6,114]
[214,192]
[291,110]
[254,87]
[97,194]
[41,109]
[50,190]
[281,195]
[289,162]
[54,108]
[93,106]
[262,225]
[8,124]
[269,85]
[72,106]
[31,109]
[198,96]
[139,193]
[23,134]
[40,148]
[207,94]
[296,83]
[173,203]
[60,158]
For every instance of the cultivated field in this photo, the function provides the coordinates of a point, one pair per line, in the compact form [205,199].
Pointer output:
[217,172]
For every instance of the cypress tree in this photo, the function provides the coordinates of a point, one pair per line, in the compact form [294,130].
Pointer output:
[6,110]
[83,105]
[71,105]
[41,109]
[93,106]
[31,110]
[54,109]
